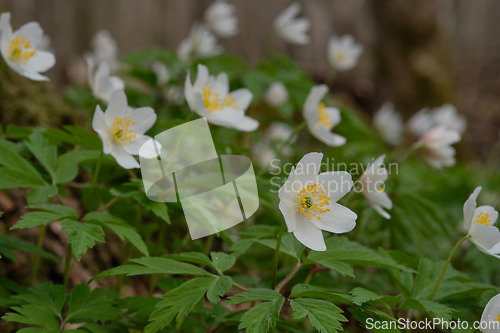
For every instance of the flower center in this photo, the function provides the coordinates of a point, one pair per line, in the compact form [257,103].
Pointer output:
[338,57]
[498,317]
[20,50]
[310,201]
[120,130]
[380,188]
[483,219]
[212,101]
[323,118]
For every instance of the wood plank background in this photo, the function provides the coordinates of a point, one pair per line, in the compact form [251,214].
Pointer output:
[417,53]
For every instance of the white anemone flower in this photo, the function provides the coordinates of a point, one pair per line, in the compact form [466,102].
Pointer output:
[275,135]
[100,81]
[201,43]
[220,18]
[104,48]
[343,52]
[491,316]
[161,71]
[389,123]
[478,222]
[276,94]
[372,181]
[209,97]
[122,129]
[308,202]
[448,117]
[20,49]
[421,122]
[437,144]
[290,28]
[321,119]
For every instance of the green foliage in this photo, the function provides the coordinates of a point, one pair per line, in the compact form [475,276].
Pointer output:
[324,316]
[82,236]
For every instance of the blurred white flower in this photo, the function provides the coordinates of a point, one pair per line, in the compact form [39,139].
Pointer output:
[446,116]
[321,119]
[421,122]
[343,52]
[209,97]
[122,129]
[290,28]
[478,222]
[276,94]
[200,43]
[20,49]
[175,95]
[437,144]
[161,71]
[220,18]
[389,123]
[308,202]
[104,48]
[372,181]
[491,315]
[100,81]
[276,135]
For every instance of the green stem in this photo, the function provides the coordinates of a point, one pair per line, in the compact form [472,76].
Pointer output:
[309,276]
[94,178]
[276,254]
[67,265]
[446,266]
[283,145]
[208,244]
[417,145]
[36,260]
[289,276]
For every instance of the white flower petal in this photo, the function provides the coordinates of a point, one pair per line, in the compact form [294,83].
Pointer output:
[117,107]
[309,235]
[338,220]
[338,184]
[486,213]
[289,213]
[486,238]
[490,314]
[247,124]
[243,98]
[144,119]
[469,207]
[124,159]
[324,135]
[310,110]
[308,167]
[135,145]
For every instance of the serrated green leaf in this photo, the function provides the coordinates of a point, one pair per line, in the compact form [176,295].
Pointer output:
[253,295]
[437,309]
[262,317]
[323,315]
[193,257]
[42,194]
[17,169]
[44,152]
[306,290]
[339,249]
[154,265]
[31,314]
[12,178]
[222,261]
[86,305]
[177,303]
[82,236]
[67,164]
[49,213]
[120,228]
[47,295]
[362,295]
[220,286]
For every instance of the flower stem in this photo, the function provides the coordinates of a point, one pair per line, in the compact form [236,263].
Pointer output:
[431,296]
[289,276]
[94,178]
[283,145]
[417,145]
[276,254]
[36,260]
[67,264]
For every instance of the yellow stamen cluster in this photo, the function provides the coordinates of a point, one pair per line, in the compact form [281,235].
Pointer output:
[338,57]
[323,117]
[20,50]
[120,130]
[483,219]
[380,188]
[310,201]
[212,101]
[498,317]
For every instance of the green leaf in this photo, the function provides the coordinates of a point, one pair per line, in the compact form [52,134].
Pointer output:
[306,290]
[86,305]
[17,178]
[42,193]
[222,261]
[19,168]
[220,286]
[75,135]
[120,228]
[49,213]
[82,236]
[324,316]
[8,243]
[178,303]
[154,265]
[159,209]
[31,314]
[437,309]
[339,249]
[46,295]
[361,295]
[193,257]
[44,152]
[262,317]
[67,164]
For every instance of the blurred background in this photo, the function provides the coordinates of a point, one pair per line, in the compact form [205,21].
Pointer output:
[416,53]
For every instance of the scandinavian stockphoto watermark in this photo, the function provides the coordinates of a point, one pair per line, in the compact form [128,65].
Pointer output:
[280,171]
[182,165]
[430,324]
